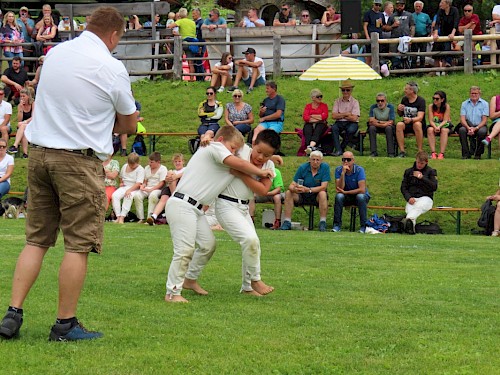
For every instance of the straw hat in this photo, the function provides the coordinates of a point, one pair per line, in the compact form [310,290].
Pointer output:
[346,84]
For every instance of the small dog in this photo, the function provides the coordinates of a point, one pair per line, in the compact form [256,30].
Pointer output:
[11,207]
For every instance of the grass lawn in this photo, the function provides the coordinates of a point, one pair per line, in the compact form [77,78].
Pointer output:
[344,303]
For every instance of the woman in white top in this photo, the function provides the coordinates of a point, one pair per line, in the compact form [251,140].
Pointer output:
[222,72]
[6,168]
[131,176]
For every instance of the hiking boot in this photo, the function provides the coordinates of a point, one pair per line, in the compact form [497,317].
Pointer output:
[287,225]
[12,150]
[11,323]
[336,228]
[322,226]
[434,156]
[151,220]
[276,225]
[123,152]
[64,332]
[441,156]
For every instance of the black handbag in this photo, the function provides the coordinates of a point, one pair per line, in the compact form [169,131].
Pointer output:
[426,227]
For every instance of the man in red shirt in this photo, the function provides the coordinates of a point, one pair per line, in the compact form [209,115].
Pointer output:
[469,21]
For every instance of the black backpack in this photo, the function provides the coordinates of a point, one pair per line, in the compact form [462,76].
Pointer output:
[487,218]
[139,146]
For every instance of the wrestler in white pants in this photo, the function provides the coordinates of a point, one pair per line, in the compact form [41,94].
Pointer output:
[153,198]
[182,219]
[236,220]
[421,206]
[124,208]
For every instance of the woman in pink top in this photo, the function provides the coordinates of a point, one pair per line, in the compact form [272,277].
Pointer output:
[495,119]
[315,115]
[11,34]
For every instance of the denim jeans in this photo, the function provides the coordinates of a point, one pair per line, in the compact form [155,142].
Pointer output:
[4,188]
[350,128]
[341,200]
[10,55]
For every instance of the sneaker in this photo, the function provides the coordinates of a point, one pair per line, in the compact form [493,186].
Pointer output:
[434,155]
[322,226]
[249,90]
[123,152]
[287,225]
[374,154]
[220,89]
[440,156]
[150,220]
[495,233]
[64,332]
[310,149]
[232,88]
[402,154]
[12,150]
[25,156]
[11,323]
[362,230]
[485,142]
[276,225]
[336,228]
[408,226]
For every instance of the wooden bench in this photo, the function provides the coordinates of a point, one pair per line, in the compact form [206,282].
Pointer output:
[455,213]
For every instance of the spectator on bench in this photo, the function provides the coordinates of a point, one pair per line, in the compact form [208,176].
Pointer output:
[309,187]
[412,111]
[439,123]
[5,115]
[239,114]
[271,112]
[276,195]
[315,116]
[24,116]
[346,114]
[382,116]
[154,180]
[418,187]
[473,117]
[15,78]
[222,72]
[350,185]
[251,70]
[210,112]
[496,220]
[495,119]
[6,168]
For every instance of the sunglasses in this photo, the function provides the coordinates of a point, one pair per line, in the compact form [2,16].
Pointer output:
[210,15]
[380,100]
[229,58]
[305,15]
[319,96]
[210,93]
[66,18]
[436,98]
[467,10]
[347,159]
[346,90]
[284,9]
[236,96]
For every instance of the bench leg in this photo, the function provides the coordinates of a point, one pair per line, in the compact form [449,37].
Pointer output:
[489,150]
[311,217]
[459,221]
[352,224]
[361,140]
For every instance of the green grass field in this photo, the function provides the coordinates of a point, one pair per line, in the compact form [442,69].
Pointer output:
[344,304]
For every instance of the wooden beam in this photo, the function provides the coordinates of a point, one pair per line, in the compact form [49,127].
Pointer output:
[140,9]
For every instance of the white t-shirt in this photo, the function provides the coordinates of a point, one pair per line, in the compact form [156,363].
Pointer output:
[80,91]
[132,177]
[237,188]
[496,10]
[154,179]
[217,64]
[206,175]
[5,109]
[262,69]
[7,160]
[61,26]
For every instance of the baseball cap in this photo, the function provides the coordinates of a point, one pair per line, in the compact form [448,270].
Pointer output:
[377,1]
[24,8]
[249,50]
[400,2]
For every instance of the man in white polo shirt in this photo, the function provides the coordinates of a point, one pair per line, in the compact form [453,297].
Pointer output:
[84,96]
[5,115]
[251,70]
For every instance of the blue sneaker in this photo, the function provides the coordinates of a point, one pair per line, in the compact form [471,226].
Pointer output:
[60,332]
[11,323]
[362,230]
[287,225]
[322,226]
[336,228]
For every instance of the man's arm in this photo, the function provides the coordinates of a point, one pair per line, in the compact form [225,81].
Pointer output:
[275,116]
[246,167]
[9,82]
[125,124]
[6,119]
[259,187]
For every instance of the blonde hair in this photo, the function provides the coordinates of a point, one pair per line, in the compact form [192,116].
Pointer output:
[133,158]
[238,92]
[230,134]
[29,93]
[177,156]
[16,26]
[183,12]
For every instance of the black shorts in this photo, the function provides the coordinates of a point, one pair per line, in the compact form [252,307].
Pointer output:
[308,199]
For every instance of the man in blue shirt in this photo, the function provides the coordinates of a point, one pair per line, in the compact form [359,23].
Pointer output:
[350,184]
[422,28]
[309,187]
[473,117]
[214,21]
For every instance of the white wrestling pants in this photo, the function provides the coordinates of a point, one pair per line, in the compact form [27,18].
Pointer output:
[124,208]
[421,206]
[189,229]
[153,198]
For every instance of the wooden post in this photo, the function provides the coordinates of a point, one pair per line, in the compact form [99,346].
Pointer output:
[468,47]
[177,57]
[375,52]
[493,48]
[276,56]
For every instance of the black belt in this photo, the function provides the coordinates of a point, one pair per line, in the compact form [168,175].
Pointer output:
[84,152]
[188,199]
[235,200]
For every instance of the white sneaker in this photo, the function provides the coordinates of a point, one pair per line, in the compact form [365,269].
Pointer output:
[221,89]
